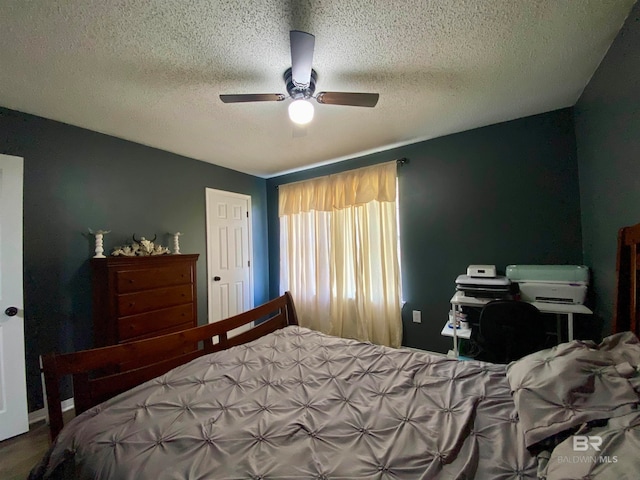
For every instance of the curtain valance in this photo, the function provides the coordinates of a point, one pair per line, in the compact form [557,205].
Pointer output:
[340,190]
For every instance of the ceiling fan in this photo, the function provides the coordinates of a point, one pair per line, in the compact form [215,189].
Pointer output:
[300,81]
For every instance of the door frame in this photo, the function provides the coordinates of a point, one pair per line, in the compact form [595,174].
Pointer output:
[208,192]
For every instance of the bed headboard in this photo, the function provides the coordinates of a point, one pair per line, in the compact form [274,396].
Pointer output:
[626,313]
[101,373]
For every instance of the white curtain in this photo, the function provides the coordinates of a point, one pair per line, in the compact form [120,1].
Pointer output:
[339,253]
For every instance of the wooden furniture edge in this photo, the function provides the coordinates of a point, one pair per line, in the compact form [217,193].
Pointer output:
[625,292]
[88,391]
[617,323]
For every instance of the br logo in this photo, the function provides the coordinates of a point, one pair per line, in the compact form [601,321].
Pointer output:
[581,443]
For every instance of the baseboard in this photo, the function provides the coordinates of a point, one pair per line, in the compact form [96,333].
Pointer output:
[41,415]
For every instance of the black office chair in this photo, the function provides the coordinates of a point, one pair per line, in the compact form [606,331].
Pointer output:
[509,330]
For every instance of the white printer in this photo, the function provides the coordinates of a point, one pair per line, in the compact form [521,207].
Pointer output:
[481,281]
[550,283]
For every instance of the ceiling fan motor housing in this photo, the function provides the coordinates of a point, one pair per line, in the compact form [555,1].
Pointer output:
[300,91]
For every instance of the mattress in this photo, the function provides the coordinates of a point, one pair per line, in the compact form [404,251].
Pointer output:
[300,404]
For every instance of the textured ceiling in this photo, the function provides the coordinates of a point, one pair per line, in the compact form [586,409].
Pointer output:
[151,71]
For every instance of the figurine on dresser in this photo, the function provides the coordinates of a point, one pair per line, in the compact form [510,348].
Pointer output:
[140,248]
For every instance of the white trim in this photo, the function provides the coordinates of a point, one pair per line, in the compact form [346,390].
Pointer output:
[350,156]
[40,415]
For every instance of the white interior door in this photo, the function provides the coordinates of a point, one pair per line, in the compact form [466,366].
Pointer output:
[229,251]
[13,388]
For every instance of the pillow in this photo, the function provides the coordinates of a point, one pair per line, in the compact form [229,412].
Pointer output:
[563,387]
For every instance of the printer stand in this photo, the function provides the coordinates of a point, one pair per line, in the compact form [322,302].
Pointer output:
[459,300]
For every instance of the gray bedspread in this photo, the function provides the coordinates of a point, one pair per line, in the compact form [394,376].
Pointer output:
[579,405]
[298,404]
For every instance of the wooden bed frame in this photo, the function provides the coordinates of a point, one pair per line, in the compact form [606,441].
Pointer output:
[101,373]
[626,312]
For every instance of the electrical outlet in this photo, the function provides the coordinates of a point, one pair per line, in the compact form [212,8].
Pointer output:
[417,316]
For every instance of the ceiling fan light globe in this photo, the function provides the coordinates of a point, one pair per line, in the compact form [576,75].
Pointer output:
[301,111]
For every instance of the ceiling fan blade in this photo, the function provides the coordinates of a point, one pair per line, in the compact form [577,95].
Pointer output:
[253,97]
[352,99]
[302,44]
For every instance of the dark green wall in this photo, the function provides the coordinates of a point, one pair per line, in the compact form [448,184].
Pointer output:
[502,194]
[607,119]
[75,179]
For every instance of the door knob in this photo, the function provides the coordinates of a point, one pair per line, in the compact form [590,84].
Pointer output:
[216,279]
[11,311]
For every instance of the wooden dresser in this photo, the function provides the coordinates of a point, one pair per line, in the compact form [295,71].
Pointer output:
[141,297]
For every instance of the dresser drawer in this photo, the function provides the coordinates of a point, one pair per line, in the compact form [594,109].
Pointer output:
[140,302]
[152,322]
[144,279]
[167,353]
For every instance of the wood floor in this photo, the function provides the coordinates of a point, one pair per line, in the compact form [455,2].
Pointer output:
[19,454]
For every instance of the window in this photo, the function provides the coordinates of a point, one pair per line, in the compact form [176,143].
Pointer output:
[339,253]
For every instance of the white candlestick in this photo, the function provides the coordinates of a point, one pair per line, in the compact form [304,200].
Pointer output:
[176,243]
[99,234]
[99,246]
